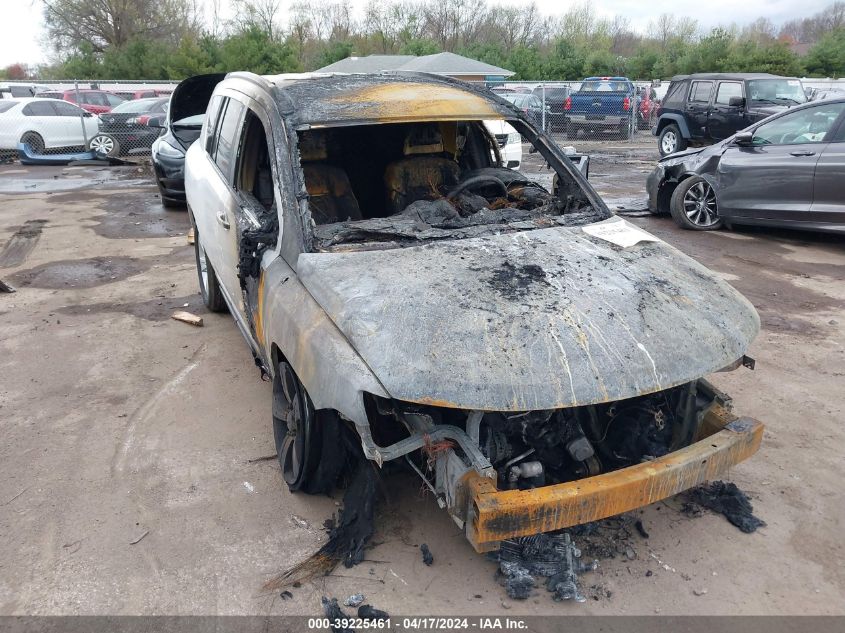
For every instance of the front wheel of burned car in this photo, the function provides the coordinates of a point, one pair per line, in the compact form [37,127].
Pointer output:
[694,205]
[310,445]
[212,296]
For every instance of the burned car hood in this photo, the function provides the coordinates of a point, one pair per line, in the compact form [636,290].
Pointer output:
[540,319]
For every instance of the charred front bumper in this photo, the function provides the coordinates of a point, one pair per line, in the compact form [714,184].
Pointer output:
[502,475]
[495,515]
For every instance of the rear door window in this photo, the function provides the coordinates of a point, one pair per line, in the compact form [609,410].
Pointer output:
[228,136]
[700,91]
[728,90]
[68,109]
[39,108]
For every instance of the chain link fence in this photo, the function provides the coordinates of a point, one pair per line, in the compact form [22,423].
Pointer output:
[60,121]
[598,112]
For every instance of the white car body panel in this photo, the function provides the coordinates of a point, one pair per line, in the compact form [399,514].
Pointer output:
[512,151]
[57,131]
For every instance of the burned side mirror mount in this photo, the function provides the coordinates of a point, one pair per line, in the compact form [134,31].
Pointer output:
[736,102]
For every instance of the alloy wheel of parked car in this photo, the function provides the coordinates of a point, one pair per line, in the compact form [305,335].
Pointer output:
[294,430]
[212,297]
[104,144]
[35,142]
[694,205]
[671,140]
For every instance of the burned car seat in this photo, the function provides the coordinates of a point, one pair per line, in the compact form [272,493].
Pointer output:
[424,173]
[328,186]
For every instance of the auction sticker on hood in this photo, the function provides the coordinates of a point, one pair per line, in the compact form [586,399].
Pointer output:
[618,231]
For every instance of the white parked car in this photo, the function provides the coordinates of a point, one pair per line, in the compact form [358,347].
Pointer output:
[509,141]
[44,124]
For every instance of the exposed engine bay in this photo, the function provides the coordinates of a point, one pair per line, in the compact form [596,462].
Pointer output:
[532,449]
[424,181]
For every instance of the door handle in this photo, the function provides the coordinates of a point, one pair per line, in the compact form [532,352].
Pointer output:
[224,222]
[802,153]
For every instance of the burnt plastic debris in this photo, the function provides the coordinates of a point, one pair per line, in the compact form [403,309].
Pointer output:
[334,613]
[371,614]
[427,556]
[354,600]
[348,536]
[725,498]
[638,524]
[518,582]
[550,555]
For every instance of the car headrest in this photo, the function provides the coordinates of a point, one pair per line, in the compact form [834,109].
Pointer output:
[423,139]
[313,146]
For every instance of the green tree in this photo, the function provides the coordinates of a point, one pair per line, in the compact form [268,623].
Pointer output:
[415,46]
[253,50]
[333,52]
[193,57]
[827,57]
[565,61]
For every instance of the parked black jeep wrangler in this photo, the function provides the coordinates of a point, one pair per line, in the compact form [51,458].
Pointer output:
[707,107]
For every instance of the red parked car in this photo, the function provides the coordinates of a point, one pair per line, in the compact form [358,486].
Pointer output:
[94,101]
[648,101]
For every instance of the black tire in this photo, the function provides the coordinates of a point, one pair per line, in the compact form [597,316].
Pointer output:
[105,144]
[694,205]
[35,142]
[671,140]
[624,132]
[212,297]
[310,448]
[173,203]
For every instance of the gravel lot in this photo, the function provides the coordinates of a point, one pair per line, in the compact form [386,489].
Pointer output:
[121,424]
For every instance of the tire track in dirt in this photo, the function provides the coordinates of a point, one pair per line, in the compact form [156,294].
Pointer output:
[21,244]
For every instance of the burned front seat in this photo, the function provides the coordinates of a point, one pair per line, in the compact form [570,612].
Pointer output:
[330,193]
[424,173]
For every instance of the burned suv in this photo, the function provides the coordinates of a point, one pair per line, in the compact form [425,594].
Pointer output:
[538,361]
[707,107]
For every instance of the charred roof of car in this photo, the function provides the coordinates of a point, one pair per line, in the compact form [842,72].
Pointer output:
[391,97]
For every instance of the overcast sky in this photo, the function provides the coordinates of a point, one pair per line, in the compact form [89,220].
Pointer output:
[21,35]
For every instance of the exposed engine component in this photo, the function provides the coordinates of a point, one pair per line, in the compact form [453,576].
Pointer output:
[551,555]
[537,448]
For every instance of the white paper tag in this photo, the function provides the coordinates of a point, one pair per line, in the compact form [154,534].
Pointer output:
[618,231]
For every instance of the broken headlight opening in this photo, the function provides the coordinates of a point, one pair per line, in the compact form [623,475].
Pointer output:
[531,449]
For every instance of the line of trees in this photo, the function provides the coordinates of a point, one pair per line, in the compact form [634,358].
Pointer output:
[172,39]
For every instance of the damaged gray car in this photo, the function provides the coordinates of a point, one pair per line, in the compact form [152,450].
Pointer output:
[538,361]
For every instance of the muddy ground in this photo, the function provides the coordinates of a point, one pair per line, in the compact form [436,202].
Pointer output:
[126,480]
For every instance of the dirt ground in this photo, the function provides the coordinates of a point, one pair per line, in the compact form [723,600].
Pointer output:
[126,480]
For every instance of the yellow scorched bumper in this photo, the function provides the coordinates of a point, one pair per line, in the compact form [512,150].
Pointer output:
[497,515]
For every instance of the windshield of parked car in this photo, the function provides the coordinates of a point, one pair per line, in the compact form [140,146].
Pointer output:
[139,105]
[777,91]
[405,183]
[520,100]
[604,85]
[7,105]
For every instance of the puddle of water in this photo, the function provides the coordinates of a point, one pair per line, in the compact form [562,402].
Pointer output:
[44,185]
[80,273]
